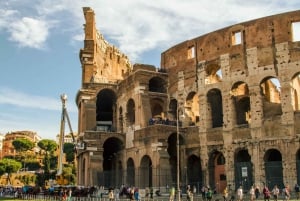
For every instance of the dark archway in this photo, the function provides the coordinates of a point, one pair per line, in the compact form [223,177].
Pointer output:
[172,151]
[105,112]
[298,166]
[194,172]
[214,98]
[130,177]
[217,174]
[130,115]
[241,98]
[145,174]
[243,170]
[273,168]
[157,84]
[112,166]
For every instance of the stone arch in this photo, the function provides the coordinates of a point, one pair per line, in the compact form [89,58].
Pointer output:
[270,90]
[193,171]
[215,106]
[192,108]
[112,166]
[298,166]
[130,109]
[157,84]
[216,171]
[273,168]
[243,169]
[241,101]
[157,108]
[130,170]
[296,91]
[213,73]
[172,151]
[83,170]
[145,172]
[105,110]
[172,113]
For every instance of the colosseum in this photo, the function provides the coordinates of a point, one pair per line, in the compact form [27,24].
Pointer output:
[224,107]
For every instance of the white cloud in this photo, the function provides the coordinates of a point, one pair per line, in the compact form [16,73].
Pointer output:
[29,32]
[136,26]
[140,26]
[20,99]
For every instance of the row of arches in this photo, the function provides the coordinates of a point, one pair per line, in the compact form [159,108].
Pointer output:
[146,170]
[269,88]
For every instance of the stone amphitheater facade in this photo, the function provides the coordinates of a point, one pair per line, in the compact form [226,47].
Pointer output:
[232,95]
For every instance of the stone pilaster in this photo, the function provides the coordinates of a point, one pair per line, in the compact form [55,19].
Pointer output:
[256,111]
[287,117]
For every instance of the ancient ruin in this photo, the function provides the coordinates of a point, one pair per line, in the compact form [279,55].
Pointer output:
[233,94]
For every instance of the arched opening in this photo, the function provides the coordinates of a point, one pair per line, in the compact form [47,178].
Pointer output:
[193,172]
[172,113]
[145,172]
[192,108]
[298,166]
[158,116]
[270,89]
[130,178]
[296,92]
[273,168]
[105,112]
[213,73]
[214,98]
[83,172]
[217,174]
[157,84]
[172,151]
[112,168]
[243,170]
[240,94]
[130,115]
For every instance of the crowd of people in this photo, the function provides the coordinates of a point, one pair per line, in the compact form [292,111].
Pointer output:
[256,193]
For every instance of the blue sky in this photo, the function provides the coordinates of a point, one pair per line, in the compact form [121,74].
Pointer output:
[40,42]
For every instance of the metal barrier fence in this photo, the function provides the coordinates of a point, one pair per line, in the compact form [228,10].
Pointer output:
[164,197]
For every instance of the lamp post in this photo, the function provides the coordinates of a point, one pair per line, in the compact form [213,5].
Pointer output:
[177,148]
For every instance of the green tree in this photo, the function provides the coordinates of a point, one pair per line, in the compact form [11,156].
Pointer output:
[69,151]
[9,166]
[23,144]
[48,146]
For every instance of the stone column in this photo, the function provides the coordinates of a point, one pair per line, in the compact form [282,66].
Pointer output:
[229,166]
[256,161]
[256,103]
[287,117]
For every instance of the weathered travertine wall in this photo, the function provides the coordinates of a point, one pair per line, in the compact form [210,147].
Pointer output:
[232,95]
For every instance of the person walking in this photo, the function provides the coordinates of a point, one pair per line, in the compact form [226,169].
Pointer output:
[225,193]
[286,192]
[208,194]
[297,190]
[252,193]
[275,192]
[257,192]
[266,193]
[239,193]
[172,194]
[111,195]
